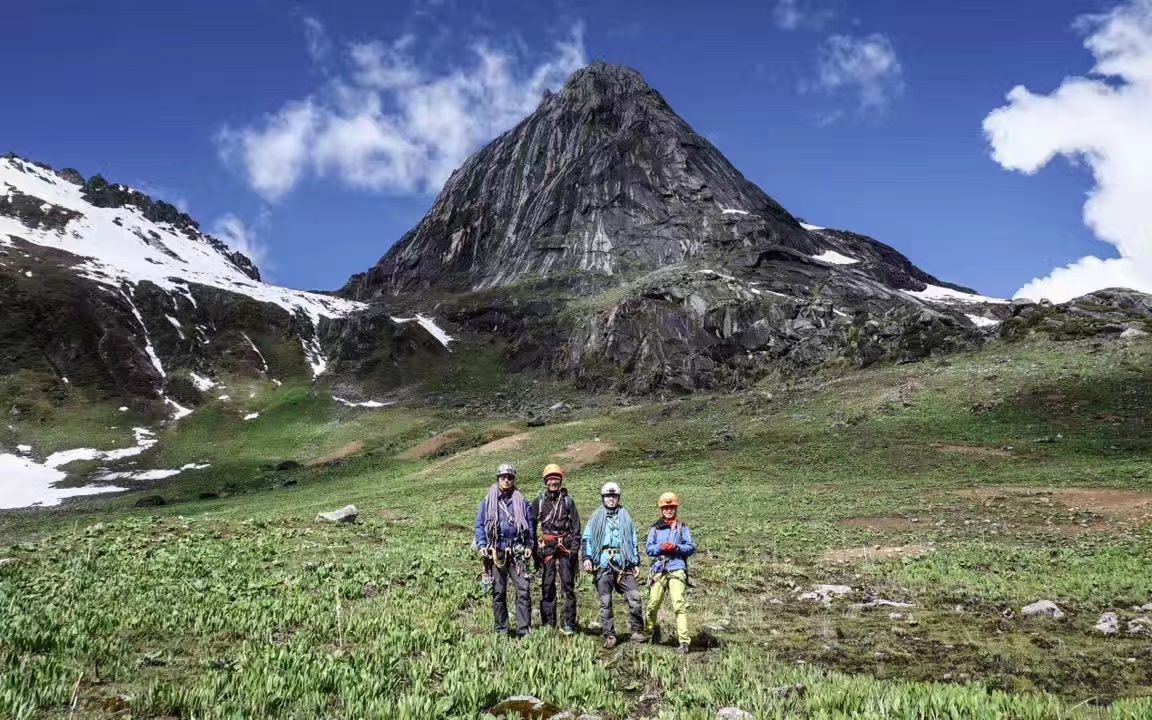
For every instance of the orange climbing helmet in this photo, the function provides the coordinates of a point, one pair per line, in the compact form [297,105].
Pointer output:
[553,469]
[668,499]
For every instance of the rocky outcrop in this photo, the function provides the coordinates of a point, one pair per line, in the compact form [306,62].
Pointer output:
[605,240]
[603,178]
[1108,313]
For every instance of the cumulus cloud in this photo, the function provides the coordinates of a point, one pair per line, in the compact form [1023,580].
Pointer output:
[239,235]
[386,122]
[865,68]
[1105,122]
[803,14]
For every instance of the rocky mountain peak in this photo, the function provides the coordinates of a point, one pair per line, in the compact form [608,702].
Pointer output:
[603,82]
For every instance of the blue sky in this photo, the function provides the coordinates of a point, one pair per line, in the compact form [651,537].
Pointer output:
[852,114]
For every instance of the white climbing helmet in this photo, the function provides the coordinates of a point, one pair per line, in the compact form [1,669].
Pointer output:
[610,488]
[506,469]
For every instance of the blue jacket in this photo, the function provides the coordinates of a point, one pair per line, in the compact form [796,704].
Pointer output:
[508,534]
[681,537]
[611,532]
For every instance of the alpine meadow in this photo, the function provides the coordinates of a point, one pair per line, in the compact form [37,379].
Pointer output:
[608,433]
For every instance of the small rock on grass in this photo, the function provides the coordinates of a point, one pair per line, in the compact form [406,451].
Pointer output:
[825,593]
[1140,626]
[1043,608]
[346,514]
[1108,624]
[733,713]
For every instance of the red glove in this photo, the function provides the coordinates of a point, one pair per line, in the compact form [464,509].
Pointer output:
[668,548]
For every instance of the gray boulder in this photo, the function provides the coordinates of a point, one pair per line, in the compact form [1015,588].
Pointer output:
[824,594]
[1139,627]
[346,514]
[733,713]
[1108,624]
[1043,608]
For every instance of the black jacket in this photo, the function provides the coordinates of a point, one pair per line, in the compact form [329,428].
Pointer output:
[559,517]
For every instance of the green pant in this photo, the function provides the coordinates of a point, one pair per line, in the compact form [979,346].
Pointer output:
[674,584]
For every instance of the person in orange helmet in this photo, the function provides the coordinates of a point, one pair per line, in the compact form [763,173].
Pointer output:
[670,544]
[558,546]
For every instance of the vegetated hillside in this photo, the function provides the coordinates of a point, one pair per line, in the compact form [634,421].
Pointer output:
[966,488]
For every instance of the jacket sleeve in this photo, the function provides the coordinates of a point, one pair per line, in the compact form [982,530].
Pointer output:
[586,541]
[575,524]
[687,546]
[531,525]
[481,531]
[652,547]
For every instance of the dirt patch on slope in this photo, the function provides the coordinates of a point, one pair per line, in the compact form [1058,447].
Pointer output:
[352,448]
[505,444]
[844,556]
[973,451]
[432,445]
[1123,505]
[578,455]
[500,431]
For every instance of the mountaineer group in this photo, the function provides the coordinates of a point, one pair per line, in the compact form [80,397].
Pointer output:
[516,538]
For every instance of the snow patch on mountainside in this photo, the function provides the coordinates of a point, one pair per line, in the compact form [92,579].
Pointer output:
[983,322]
[835,258]
[26,483]
[428,324]
[935,293]
[365,404]
[806,226]
[119,247]
[145,439]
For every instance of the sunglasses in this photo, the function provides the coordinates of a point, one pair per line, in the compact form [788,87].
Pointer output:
[615,495]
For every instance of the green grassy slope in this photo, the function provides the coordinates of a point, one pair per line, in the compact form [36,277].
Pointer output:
[955,485]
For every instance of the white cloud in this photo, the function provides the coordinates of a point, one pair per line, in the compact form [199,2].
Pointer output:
[388,123]
[865,68]
[803,14]
[316,36]
[239,235]
[1104,121]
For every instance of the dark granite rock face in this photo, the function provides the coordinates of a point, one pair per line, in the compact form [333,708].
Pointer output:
[607,241]
[602,178]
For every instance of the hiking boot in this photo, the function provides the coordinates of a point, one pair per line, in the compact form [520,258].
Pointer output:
[609,642]
[568,630]
[639,638]
[682,650]
[657,635]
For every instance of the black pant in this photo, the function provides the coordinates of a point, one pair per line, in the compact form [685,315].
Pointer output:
[564,567]
[519,573]
[626,585]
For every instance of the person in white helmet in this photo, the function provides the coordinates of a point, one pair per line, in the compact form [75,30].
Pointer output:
[610,551]
[506,538]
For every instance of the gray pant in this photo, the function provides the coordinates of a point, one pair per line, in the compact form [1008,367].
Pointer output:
[626,585]
[519,574]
